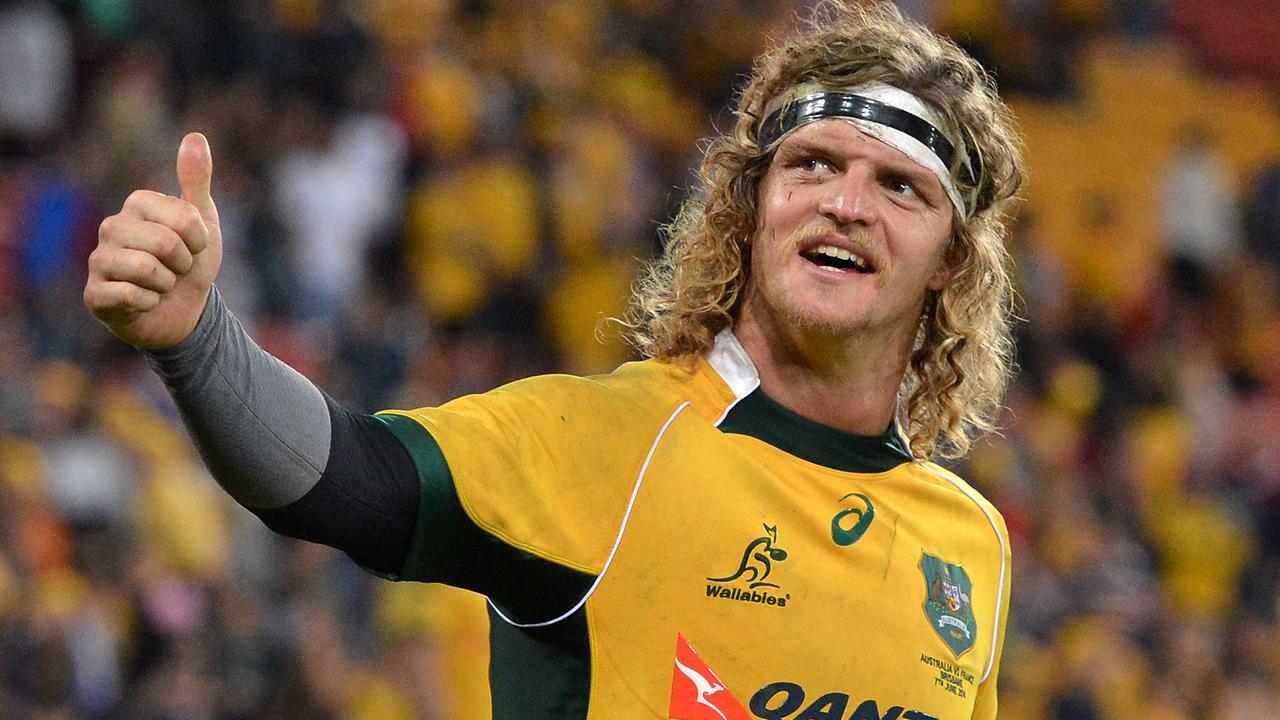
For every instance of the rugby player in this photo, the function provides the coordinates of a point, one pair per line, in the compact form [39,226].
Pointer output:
[747,523]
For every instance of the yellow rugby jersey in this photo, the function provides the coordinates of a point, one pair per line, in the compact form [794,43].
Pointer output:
[664,544]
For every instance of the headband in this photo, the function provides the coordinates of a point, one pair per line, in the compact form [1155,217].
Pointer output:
[889,114]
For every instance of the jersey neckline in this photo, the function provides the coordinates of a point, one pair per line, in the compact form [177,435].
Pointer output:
[755,414]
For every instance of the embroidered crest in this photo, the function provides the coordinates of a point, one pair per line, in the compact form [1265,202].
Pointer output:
[947,604]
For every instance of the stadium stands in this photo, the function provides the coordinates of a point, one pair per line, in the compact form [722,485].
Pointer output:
[493,173]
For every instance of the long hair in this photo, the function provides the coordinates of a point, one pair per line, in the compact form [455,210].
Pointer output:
[962,357]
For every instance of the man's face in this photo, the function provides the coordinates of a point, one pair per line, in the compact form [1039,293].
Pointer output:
[851,234]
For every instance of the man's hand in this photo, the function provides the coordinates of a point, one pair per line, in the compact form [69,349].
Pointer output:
[156,259]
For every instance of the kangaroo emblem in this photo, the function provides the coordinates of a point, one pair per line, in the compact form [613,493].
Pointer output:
[757,560]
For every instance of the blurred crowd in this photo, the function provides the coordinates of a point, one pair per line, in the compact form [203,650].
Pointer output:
[426,198]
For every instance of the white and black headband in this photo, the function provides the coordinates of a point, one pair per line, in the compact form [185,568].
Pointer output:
[889,114]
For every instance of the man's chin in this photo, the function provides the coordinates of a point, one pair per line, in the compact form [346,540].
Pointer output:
[822,322]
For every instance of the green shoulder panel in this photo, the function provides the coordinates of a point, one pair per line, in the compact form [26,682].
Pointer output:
[449,547]
[534,672]
[542,673]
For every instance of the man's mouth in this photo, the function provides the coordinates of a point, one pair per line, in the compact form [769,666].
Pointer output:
[837,258]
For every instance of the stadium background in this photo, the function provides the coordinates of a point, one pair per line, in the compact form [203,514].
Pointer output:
[424,198]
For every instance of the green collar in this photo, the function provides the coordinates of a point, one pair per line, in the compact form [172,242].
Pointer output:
[761,417]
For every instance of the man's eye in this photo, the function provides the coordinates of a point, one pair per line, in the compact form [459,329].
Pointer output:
[900,186]
[814,165]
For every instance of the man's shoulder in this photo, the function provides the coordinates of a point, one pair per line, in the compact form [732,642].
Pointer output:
[629,394]
[642,381]
[951,481]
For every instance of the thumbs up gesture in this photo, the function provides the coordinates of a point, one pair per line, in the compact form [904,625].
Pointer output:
[156,259]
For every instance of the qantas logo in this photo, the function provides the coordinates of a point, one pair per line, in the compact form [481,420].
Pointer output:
[697,693]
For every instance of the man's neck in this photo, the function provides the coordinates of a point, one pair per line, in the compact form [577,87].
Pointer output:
[850,383]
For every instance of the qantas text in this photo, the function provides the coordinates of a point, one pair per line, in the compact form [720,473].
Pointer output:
[786,701]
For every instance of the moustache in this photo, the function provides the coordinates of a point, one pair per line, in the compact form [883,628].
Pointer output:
[858,236]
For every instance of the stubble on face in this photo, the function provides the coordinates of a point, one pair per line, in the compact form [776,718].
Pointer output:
[849,312]
[786,311]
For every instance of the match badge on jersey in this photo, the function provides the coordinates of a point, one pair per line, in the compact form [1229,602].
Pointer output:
[696,692]
[947,603]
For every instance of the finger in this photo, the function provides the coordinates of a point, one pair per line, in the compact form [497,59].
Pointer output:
[147,236]
[174,213]
[113,301]
[195,175]
[132,266]
[162,242]
[139,199]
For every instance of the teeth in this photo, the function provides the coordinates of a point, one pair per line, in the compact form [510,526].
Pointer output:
[841,254]
[834,252]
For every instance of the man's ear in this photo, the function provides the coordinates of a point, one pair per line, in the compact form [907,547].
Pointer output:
[947,265]
[940,277]
[951,260]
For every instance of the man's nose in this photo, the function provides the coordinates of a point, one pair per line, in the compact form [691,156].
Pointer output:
[850,198]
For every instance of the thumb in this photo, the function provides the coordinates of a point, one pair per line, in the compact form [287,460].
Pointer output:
[195,175]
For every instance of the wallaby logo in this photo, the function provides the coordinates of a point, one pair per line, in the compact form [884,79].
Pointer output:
[754,570]
[757,560]
[863,516]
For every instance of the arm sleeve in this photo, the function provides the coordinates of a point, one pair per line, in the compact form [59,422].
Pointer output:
[261,427]
[280,447]
[365,503]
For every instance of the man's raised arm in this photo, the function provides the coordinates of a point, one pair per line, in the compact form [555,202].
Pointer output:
[270,437]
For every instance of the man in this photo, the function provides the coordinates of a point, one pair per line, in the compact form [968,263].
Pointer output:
[744,525]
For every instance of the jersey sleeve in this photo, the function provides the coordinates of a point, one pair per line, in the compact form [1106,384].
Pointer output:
[523,488]
[985,706]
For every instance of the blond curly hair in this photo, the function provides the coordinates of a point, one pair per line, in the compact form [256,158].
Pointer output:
[962,359]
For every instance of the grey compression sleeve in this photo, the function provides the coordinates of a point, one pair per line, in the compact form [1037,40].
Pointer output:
[262,428]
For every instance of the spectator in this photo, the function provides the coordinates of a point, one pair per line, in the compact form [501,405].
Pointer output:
[1199,211]
[36,70]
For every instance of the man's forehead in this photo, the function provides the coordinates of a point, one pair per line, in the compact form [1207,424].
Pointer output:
[838,135]
[890,115]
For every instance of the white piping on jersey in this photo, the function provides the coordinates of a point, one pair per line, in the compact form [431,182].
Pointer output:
[995,628]
[730,360]
[626,517]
